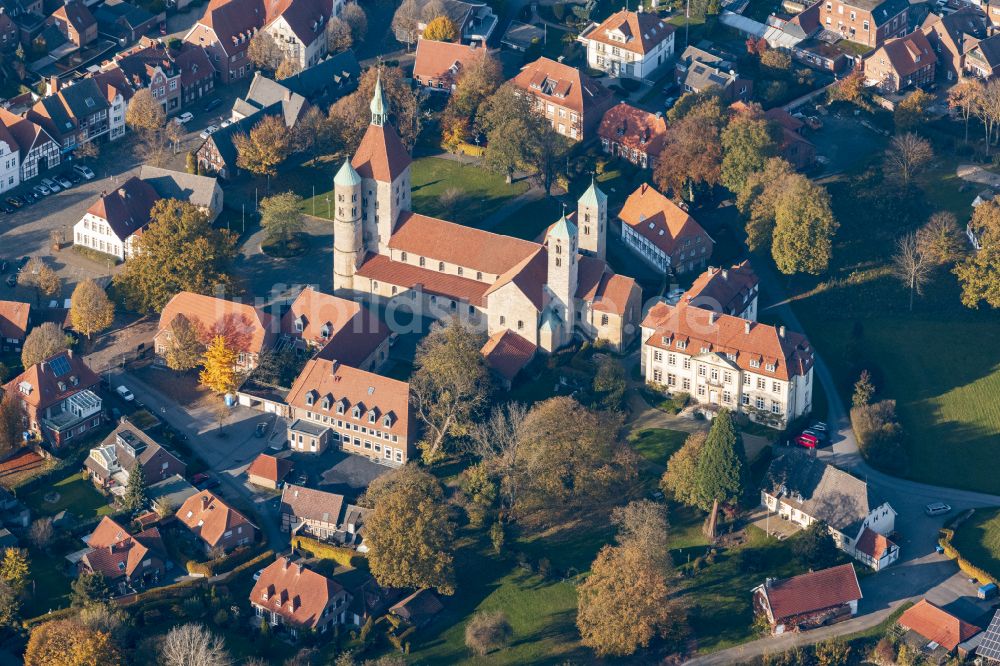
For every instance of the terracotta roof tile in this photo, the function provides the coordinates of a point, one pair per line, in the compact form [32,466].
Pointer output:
[209,517]
[42,382]
[637,129]
[606,290]
[507,353]
[383,269]
[906,54]
[937,625]
[723,334]
[353,332]
[311,504]
[126,209]
[381,154]
[443,62]
[562,85]
[662,222]
[299,595]
[14,319]
[245,327]
[813,591]
[268,467]
[642,32]
[725,288]
[117,553]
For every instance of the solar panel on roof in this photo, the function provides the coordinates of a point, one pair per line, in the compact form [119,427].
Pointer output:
[60,366]
[990,645]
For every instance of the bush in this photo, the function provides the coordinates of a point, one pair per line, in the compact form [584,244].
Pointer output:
[342,556]
[486,632]
[879,435]
[968,567]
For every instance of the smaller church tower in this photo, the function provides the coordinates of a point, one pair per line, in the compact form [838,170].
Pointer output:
[379,109]
[347,251]
[563,269]
[592,218]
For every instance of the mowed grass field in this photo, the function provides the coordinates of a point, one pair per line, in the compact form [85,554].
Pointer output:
[978,539]
[483,192]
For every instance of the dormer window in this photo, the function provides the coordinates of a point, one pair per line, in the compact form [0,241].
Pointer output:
[704,350]
[770,367]
[326,403]
[299,325]
[340,407]
[310,398]
[371,416]
[386,421]
[754,363]
[356,412]
[681,344]
[325,331]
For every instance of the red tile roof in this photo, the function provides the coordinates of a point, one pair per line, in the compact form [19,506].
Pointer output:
[268,467]
[383,269]
[322,378]
[23,131]
[634,128]
[115,552]
[697,330]
[14,320]
[873,544]
[507,353]
[937,625]
[728,288]
[209,517]
[381,155]
[77,15]
[230,19]
[605,290]
[906,54]
[662,222]
[299,595]
[812,591]
[563,85]
[245,327]
[443,62]
[39,385]
[306,18]
[126,209]
[641,32]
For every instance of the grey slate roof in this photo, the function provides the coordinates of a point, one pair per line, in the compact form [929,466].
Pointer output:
[179,185]
[223,138]
[990,48]
[330,79]
[821,491]
[84,98]
[265,92]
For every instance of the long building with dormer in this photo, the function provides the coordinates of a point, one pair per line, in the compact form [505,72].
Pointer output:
[547,292]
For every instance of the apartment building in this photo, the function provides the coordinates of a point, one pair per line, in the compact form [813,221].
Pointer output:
[629,44]
[571,100]
[112,222]
[901,63]
[662,233]
[867,22]
[721,361]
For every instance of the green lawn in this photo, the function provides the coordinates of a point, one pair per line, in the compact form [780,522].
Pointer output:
[76,494]
[657,445]
[49,587]
[482,191]
[978,540]
[531,219]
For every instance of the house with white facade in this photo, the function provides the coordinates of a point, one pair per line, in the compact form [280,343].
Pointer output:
[629,44]
[300,29]
[10,160]
[803,489]
[37,150]
[721,361]
[663,234]
[112,222]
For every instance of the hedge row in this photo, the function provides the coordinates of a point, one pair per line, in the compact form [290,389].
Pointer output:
[60,614]
[342,556]
[963,564]
[216,567]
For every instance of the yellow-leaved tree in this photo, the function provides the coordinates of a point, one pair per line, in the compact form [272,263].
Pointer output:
[219,373]
[441,29]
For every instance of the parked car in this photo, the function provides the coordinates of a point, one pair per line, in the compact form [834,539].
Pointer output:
[41,190]
[199,477]
[936,509]
[84,171]
[814,123]
[73,177]
[125,394]
[15,202]
[30,197]
[208,485]
[22,262]
[63,181]
[12,280]
[209,131]
[184,118]
[820,436]
[51,184]
[260,430]
[806,441]
[7,209]
[213,104]
[116,414]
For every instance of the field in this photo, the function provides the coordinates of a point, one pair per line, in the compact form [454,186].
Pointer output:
[978,540]
[76,495]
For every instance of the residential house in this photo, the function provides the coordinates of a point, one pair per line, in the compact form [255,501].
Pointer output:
[358,411]
[197,73]
[299,29]
[118,91]
[266,93]
[629,44]
[57,398]
[803,489]
[14,319]
[150,64]
[795,148]
[475,20]
[571,100]
[129,563]
[633,134]
[74,114]
[721,361]
[267,471]
[439,65]
[112,223]
[507,354]
[111,462]
[343,330]
[732,291]
[810,600]
[662,233]
[224,32]
[10,159]
[935,633]
[214,522]
[75,22]
[28,16]
[867,22]
[322,515]
[37,150]
[901,63]
[699,69]
[992,9]
[124,21]
[218,154]
[203,192]
[324,83]
[247,329]
[952,36]
[548,292]
[982,60]
[297,598]
[10,35]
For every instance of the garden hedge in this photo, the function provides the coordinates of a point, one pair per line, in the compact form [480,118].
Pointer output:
[342,556]
[963,564]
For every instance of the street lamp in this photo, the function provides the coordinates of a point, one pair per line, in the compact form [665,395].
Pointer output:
[329,215]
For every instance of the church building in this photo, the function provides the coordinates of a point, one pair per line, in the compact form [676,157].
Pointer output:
[547,292]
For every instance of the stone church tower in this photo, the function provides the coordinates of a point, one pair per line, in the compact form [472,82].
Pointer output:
[592,217]
[347,250]
[563,269]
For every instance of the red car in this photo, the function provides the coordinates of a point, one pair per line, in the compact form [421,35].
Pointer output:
[199,477]
[807,441]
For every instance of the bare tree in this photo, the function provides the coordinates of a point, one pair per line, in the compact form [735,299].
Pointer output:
[987,108]
[910,265]
[496,441]
[906,155]
[41,533]
[194,645]
[404,22]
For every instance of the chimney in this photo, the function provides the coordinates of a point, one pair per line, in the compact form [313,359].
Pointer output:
[288,95]
[781,331]
[711,317]
[284,565]
[725,273]
[204,502]
[746,327]
[53,85]
[334,364]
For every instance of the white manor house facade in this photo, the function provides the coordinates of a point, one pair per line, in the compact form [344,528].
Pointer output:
[547,292]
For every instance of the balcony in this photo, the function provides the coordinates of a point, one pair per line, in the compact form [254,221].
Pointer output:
[73,410]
